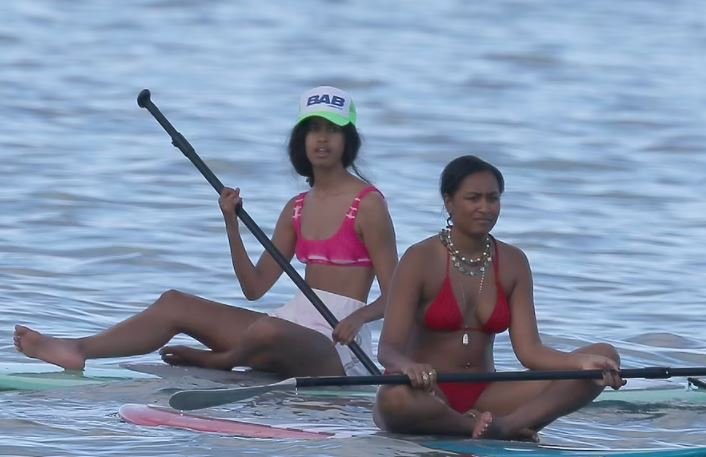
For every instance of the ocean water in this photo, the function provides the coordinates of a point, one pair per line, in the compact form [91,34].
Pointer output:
[594,111]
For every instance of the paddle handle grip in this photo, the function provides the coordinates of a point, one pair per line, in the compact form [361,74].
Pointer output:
[181,143]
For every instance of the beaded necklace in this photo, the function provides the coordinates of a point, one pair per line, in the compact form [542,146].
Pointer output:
[469,267]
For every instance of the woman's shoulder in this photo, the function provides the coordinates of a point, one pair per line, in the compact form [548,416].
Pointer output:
[421,258]
[424,249]
[293,200]
[372,200]
[510,253]
[358,186]
[289,206]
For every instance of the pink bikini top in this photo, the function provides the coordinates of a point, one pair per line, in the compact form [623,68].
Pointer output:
[344,248]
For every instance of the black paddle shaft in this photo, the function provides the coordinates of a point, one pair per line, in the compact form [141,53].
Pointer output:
[646,373]
[178,140]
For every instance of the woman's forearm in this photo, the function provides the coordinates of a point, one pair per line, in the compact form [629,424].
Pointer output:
[372,311]
[392,358]
[545,358]
[244,269]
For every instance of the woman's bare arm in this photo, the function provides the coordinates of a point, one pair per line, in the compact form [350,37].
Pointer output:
[256,279]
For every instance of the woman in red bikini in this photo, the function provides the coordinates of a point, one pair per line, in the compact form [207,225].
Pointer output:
[450,295]
[340,229]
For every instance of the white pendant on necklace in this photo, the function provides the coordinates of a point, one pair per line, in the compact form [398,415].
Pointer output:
[464,340]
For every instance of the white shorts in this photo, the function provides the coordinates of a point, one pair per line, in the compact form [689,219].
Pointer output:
[301,311]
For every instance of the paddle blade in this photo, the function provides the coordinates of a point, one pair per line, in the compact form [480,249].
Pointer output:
[188,400]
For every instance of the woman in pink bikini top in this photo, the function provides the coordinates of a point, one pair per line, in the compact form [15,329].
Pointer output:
[340,229]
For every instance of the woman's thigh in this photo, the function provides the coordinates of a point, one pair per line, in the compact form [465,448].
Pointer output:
[293,347]
[216,325]
[504,397]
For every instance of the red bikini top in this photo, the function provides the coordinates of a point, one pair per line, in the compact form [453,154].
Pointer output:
[444,313]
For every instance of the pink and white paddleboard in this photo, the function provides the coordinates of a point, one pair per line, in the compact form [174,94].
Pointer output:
[155,416]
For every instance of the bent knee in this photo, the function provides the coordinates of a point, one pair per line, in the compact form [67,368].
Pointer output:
[171,295]
[393,400]
[177,306]
[170,299]
[604,349]
[396,409]
[608,350]
[265,332]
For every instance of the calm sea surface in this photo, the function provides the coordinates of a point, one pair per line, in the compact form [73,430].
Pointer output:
[594,111]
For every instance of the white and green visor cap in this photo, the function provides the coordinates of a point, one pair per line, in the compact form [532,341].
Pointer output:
[328,102]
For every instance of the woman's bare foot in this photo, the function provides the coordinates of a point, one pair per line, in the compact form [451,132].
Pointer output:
[188,356]
[527,434]
[489,427]
[57,351]
[483,422]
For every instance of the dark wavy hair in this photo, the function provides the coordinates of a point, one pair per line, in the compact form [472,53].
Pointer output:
[461,167]
[297,150]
